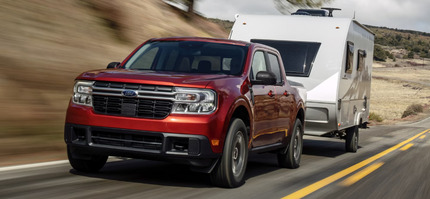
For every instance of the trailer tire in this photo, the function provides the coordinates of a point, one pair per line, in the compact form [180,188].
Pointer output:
[230,171]
[290,156]
[93,164]
[351,139]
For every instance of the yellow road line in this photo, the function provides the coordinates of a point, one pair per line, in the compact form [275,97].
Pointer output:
[423,136]
[406,147]
[363,173]
[328,180]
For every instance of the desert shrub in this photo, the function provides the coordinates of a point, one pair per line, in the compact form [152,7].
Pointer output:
[412,109]
[375,117]
[380,54]
[411,55]
[389,55]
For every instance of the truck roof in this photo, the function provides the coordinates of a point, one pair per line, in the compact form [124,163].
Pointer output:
[202,39]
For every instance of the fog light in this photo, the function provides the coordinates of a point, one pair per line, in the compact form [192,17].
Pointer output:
[180,145]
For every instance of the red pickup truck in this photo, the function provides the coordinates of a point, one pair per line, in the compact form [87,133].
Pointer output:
[198,101]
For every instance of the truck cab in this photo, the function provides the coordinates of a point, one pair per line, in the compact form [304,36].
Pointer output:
[202,102]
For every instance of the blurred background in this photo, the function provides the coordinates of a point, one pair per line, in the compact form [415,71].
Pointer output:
[45,44]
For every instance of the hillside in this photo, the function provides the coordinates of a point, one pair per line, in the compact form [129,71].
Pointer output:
[46,44]
[393,44]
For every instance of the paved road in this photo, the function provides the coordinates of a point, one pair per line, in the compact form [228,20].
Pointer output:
[392,162]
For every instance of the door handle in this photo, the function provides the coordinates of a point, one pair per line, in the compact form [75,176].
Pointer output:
[270,93]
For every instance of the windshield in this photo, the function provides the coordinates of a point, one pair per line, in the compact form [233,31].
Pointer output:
[189,57]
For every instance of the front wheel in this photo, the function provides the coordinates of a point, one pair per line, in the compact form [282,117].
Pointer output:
[231,169]
[290,156]
[90,164]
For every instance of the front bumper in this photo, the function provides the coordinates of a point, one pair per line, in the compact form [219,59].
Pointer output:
[194,150]
[210,126]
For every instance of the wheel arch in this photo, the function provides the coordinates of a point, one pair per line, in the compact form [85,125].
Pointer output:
[301,115]
[240,109]
[242,113]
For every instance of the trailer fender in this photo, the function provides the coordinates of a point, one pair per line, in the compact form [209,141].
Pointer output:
[358,118]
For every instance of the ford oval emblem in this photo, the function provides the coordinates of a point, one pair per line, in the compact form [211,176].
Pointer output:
[129,93]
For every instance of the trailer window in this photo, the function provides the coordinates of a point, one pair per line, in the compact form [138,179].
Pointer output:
[360,61]
[298,57]
[349,57]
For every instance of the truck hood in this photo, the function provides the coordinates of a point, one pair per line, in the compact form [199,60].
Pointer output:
[152,77]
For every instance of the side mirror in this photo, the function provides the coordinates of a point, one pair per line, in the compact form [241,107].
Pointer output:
[113,65]
[265,78]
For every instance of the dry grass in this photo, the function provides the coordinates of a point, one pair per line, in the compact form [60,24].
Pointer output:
[390,98]
[418,74]
[397,85]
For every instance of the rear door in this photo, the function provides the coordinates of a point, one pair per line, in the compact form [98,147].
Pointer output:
[284,98]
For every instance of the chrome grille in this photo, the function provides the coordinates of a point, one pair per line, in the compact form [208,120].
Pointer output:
[150,101]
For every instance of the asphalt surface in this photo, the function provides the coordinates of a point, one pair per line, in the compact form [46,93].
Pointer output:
[391,170]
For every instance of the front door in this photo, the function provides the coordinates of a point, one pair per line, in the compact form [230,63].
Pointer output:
[265,108]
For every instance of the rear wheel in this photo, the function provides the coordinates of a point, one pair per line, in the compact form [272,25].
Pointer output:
[231,169]
[290,156]
[351,143]
[91,163]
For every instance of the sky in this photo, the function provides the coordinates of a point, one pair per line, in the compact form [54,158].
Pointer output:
[400,14]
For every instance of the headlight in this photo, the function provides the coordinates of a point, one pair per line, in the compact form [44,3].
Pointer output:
[82,93]
[194,101]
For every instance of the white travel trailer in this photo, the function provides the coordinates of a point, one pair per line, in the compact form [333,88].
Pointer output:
[331,57]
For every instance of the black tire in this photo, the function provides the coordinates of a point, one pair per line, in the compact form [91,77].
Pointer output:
[230,171]
[89,165]
[351,139]
[290,157]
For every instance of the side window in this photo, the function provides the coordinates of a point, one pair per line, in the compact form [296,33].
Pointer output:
[275,67]
[226,64]
[349,57]
[361,60]
[258,64]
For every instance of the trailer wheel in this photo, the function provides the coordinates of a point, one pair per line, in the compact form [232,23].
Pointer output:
[93,164]
[231,169]
[351,143]
[290,157]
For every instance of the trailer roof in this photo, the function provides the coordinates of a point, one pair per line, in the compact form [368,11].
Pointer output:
[296,28]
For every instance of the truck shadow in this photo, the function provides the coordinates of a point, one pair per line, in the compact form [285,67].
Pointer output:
[174,175]
[168,174]
[326,148]
[149,172]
